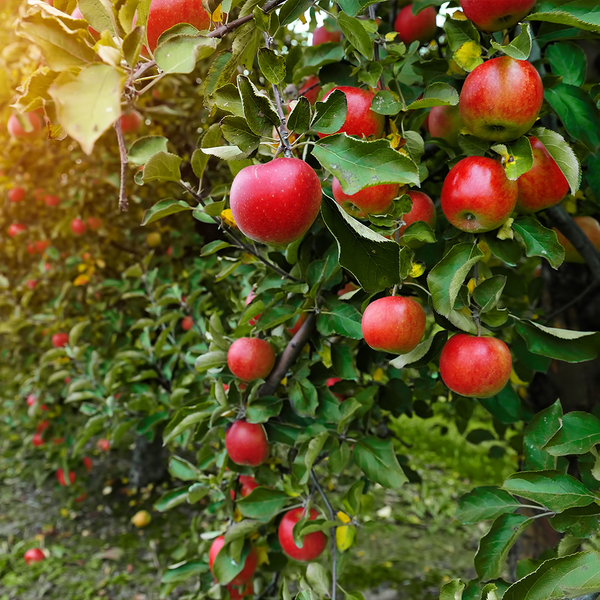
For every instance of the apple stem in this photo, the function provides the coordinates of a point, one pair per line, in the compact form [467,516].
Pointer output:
[395,290]
[123,204]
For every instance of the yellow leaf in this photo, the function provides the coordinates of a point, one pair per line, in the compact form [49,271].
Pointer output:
[303,19]
[417,270]
[506,232]
[343,517]
[570,204]
[471,285]
[468,56]
[395,140]
[64,512]
[458,15]
[454,68]
[237,515]
[227,217]
[325,356]
[100,263]
[344,537]
[263,555]
[217,16]
[284,381]
[81,267]
[516,379]
[378,375]
[81,280]
[389,37]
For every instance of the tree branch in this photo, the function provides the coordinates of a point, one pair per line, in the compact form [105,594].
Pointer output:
[289,356]
[222,31]
[572,302]
[123,204]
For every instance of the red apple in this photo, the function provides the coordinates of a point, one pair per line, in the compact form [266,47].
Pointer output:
[77,14]
[16,229]
[372,200]
[544,185]
[239,592]
[131,122]
[16,130]
[78,227]
[39,194]
[187,323]
[477,196]
[60,340]
[393,324]
[421,27]
[423,209]
[501,99]
[87,462]
[250,358]
[47,267]
[33,555]
[58,441]
[313,544]
[80,498]
[322,35]
[165,14]
[50,200]
[252,322]
[37,440]
[331,382]
[60,475]
[295,328]
[591,228]
[247,444]
[41,245]
[30,249]
[496,15]
[249,566]
[31,400]
[360,119]
[248,483]
[310,89]
[16,194]
[103,445]
[43,426]
[31,283]
[276,202]
[476,367]
[94,223]
[349,287]
[445,122]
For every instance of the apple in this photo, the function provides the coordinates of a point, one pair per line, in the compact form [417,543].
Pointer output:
[360,119]
[60,340]
[103,445]
[445,122]
[47,267]
[16,130]
[41,245]
[331,382]
[299,322]
[321,35]
[412,28]
[43,426]
[131,122]
[78,227]
[94,223]
[37,440]
[477,196]
[16,194]
[39,194]
[591,228]
[372,200]
[501,99]
[58,441]
[349,287]
[423,209]
[252,322]
[247,444]
[249,566]
[153,239]
[87,462]
[16,229]
[476,367]
[141,518]
[165,14]
[238,592]
[77,14]
[187,323]
[250,358]
[81,497]
[31,283]
[393,324]
[313,544]
[33,555]
[60,475]
[276,202]
[544,185]
[248,483]
[496,15]
[310,89]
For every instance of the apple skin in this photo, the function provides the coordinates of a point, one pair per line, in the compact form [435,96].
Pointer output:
[360,119]
[165,14]
[237,593]
[249,566]
[60,340]
[393,324]
[252,322]
[497,15]
[544,185]
[94,223]
[423,209]
[591,228]
[103,445]
[248,483]
[41,245]
[15,229]
[52,201]
[78,227]
[16,194]
[276,202]
[475,367]
[60,475]
[43,426]
[131,122]
[412,28]
[501,99]
[87,462]
[250,358]
[33,555]
[313,543]
[15,129]
[37,440]
[477,196]
[445,122]
[187,323]
[247,444]
[299,322]
[331,382]
[321,36]
[372,200]
[310,89]
[31,284]
[141,518]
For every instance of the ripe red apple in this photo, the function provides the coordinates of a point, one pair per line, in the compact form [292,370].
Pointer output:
[37,440]
[310,89]
[131,122]
[544,185]
[249,566]
[78,227]
[94,223]
[16,194]
[374,200]
[47,267]
[239,592]
[445,122]
[349,287]
[296,326]
[252,322]
[393,324]
[423,209]
[476,367]
[16,130]
[87,462]
[60,475]
[43,426]
[77,14]
[33,555]
[31,283]
[187,323]
[591,228]
[421,27]
[15,229]
[165,14]
[31,400]
[103,445]
[276,202]
[60,340]
[496,15]
[313,543]
[41,245]
[501,99]
[250,358]
[331,382]
[58,441]
[322,35]
[477,196]
[39,194]
[360,119]
[247,444]
[80,498]
[248,483]
[50,200]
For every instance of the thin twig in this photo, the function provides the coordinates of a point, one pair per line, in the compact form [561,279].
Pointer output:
[376,47]
[572,302]
[334,544]
[123,204]
[229,27]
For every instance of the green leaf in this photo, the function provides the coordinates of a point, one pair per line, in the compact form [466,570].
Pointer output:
[483,503]
[171,499]
[453,590]
[210,360]
[211,137]
[342,319]
[237,131]
[179,468]
[415,355]
[539,240]
[558,578]
[274,316]
[568,60]
[376,458]
[271,65]
[162,166]
[76,332]
[583,14]
[579,432]
[317,576]
[552,489]
[356,34]
[542,428]
[227,98]
[331,113]
[304,397]
[488,292]
[505,406]
[358,164]
[213,247]
[225,568]
[520,47]
[164,208]
[579,522]
[262,410]
[97,86]
[262,503]
[188,421]
[518,157]
[92,427]
[436,94]
[353,7]
[496,544]
[184,572]
[133,43]
[258,109]
[180,53]
[386,103]
[143,149]
[299,119]
[292,10]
